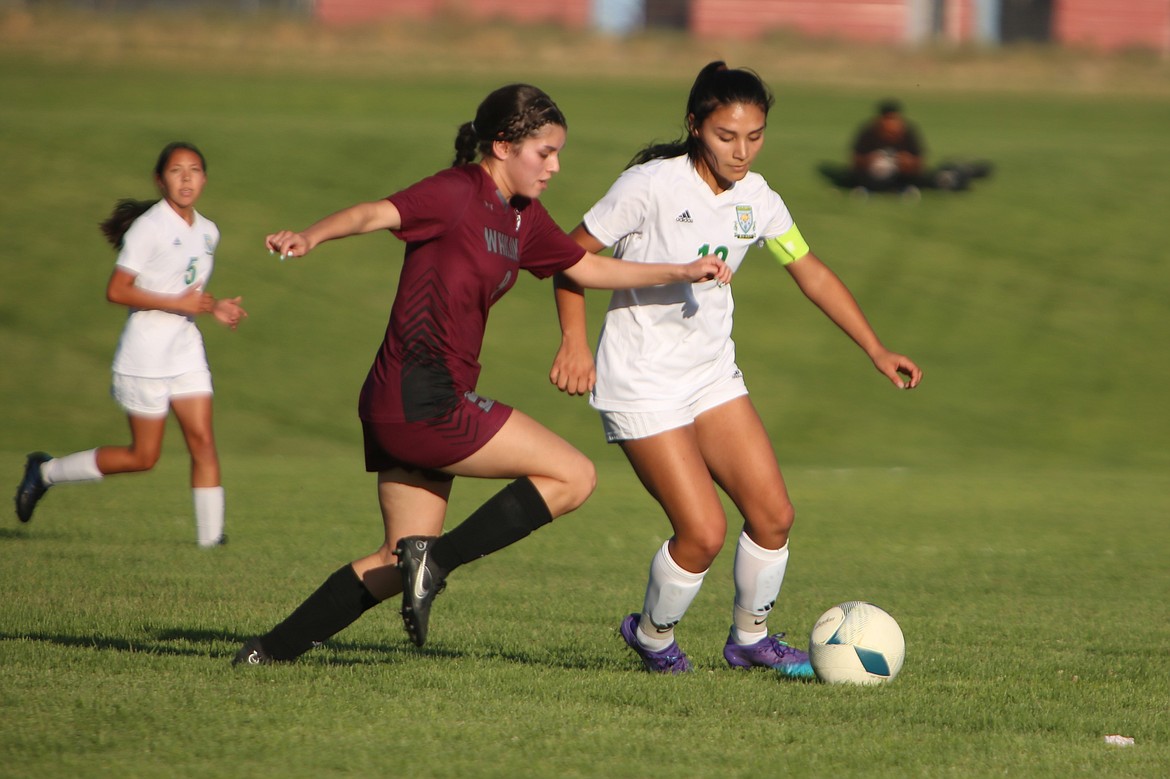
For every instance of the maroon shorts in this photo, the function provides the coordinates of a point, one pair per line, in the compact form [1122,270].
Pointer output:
[431,444]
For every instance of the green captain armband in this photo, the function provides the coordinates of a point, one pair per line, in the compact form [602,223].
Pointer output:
[787,248]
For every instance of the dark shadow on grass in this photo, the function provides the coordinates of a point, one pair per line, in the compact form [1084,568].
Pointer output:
[146,646]
[188,642]
[14,532]
[27,533]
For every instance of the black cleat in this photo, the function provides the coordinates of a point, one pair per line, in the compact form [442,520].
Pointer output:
[32,487]
[421,582]
[252,653]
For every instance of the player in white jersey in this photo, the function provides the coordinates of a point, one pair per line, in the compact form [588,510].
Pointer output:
[166,250]
[666,381]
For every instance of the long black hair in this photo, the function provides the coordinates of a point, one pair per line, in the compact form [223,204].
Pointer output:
[510,113]
[716,86]
[126,210]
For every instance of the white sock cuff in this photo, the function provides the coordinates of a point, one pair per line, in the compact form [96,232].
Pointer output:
[79,466]
[760,553]
[663,556]
[212,497]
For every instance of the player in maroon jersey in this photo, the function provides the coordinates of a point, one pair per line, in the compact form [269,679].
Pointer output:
[469,231]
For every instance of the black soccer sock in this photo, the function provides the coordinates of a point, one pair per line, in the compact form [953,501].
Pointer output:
[336,604]
[508,516]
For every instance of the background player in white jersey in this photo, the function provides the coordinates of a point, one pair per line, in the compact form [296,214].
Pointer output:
[166,250]
[666,382]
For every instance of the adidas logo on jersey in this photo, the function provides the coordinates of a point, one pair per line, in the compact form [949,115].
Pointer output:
[684,217]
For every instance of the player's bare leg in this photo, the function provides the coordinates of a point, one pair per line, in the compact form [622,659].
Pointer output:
[194,415]
[739,454]
[670,466]
[551,478]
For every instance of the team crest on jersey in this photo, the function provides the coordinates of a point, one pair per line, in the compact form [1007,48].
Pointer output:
[745,221]
[208,243]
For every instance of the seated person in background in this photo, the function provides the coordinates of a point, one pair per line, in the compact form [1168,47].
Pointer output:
[888,155]
[888,152]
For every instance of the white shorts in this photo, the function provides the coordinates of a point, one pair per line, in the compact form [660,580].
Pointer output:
[145,397]
[629,425]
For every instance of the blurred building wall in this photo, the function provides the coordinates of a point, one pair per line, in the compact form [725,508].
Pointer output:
[860,20]
[1106,25]
[1113,24]
[567,13]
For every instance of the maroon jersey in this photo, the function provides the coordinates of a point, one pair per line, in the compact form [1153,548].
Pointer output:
[464,248]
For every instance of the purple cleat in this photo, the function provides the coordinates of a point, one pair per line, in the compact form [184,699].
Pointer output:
[769,653]
[669,661]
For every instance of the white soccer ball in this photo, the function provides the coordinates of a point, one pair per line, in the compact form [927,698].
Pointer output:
[883,165]
[856,643]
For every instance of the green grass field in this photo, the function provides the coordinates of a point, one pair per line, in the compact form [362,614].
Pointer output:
[1011,513]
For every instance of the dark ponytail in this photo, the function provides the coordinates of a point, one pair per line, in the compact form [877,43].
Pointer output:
[511,113]
[125,211]
[118,222]
[715,86]
[466,144]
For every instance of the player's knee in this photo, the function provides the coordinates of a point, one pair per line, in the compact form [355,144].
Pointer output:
[772,533]
[582,482]
[711,546]
[785,518]
[201,446]
[142,460]
[700,547]
[574,485]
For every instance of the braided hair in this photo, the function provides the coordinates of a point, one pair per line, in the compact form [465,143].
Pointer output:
[511,114]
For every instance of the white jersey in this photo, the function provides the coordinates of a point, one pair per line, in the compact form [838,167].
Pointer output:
[167,256]
[661,346]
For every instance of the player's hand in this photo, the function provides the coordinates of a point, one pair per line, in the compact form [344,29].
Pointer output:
[286,243]
[709,269]
[191,302]
[573,370]
[228,311]
[894,366]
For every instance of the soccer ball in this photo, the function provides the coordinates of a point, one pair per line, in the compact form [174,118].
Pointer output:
[883,166]
[856,643]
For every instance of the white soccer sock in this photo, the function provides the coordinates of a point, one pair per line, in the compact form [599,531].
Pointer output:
[79,466]
[669,594]
[758,574]
[209,510]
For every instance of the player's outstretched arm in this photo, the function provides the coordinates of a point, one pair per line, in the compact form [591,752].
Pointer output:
[355,220]
[826,290]
[596,271]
